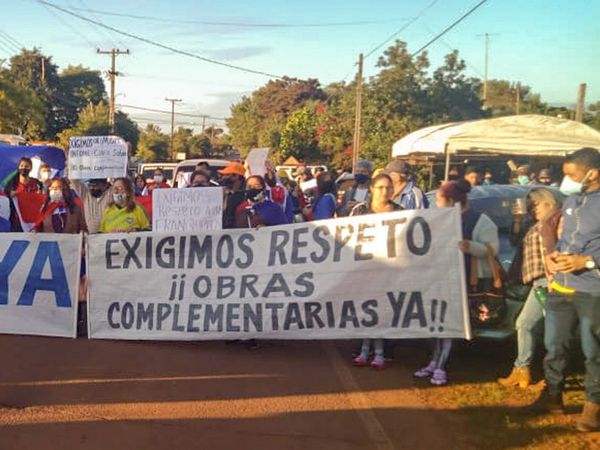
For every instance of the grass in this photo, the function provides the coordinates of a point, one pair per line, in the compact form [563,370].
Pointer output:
[493,415]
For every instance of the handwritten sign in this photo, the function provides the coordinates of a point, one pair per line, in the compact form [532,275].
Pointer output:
[97,157]
[187,210]
[256,160]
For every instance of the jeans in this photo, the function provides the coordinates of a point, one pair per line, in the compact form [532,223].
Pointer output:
[563,313]
[528,325]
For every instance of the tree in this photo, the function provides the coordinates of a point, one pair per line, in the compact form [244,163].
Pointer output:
[502,99]
[153,145]
[243,125]
[33,70]
[299,136]
[93,121]
[79,86]
[21,111]
[452,96]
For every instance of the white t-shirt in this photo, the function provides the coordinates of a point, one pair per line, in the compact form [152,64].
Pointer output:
[361,194]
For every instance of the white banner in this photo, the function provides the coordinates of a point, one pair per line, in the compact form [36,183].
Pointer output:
[189,209]
[395,275]
[39,282]
[97,157]
[256,160]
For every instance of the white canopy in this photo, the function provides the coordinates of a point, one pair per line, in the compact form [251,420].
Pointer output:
[513,135]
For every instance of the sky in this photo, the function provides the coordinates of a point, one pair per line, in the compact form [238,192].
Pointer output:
[550,45]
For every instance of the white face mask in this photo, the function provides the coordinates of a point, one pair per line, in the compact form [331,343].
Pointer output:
[55,196]
[119,198]
[570,186]
[158,179]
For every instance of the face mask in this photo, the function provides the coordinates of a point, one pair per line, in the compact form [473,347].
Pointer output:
[44,176]
[158,179]
[96,193]
[199,185]
[523,179]
[55,196]
[361,178]
[24,172]
[119,199]
[570,186]
[253,194]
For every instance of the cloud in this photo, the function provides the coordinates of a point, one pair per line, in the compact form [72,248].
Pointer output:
[236,53]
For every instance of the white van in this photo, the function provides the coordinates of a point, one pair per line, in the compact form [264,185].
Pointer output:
[183,170]
[146,170]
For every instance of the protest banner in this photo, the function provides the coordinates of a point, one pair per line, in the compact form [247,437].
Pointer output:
[394,275]
[97,157]
[39,282]
[189,209]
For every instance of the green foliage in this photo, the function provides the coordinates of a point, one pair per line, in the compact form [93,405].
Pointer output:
[258,120]
[63,96]
[21,111]
[93,121]
[299,136]
[502,99]
[153,145]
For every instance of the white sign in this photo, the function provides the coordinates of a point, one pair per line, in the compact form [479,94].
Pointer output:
[97,157]
[39,281]
[187,210]
[257,159]
[393,275]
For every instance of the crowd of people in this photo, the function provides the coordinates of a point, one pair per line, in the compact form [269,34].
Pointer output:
[558,245]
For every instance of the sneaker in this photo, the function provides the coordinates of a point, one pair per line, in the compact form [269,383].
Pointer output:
[439,377]
[360,361]
[378,362]
[426,371]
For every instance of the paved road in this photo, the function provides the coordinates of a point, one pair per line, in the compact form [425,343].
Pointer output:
[78,394]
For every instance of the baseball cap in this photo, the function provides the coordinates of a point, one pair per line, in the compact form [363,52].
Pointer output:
[397,166]
[233,168]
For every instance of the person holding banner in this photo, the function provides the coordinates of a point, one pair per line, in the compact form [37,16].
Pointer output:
[379,201]
[124,214]
[232,180]
[61,214]
[479,233]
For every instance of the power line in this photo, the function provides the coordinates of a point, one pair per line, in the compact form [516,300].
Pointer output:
[162,111]
[242,24]
[448,28]
[68,25]
[157,44]
[404,27]
[7,37]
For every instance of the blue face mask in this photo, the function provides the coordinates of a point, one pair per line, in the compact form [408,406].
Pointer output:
[361,178]
[523,179]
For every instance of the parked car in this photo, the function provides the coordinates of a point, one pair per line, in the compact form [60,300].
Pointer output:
[497,201]
[183,170]
[146,170]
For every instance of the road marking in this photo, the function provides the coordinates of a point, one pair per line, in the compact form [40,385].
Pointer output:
[359,401]
[133,379]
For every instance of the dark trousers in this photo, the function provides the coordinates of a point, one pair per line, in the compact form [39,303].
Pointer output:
[563,313]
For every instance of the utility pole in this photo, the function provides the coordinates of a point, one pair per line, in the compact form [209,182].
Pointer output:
[485,70]
[580,103]
[43,62]
[112,73]
[204,122]
[518,106]
[357,113]
[173,101]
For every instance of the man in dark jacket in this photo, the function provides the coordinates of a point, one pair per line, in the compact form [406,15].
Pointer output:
[575,289]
